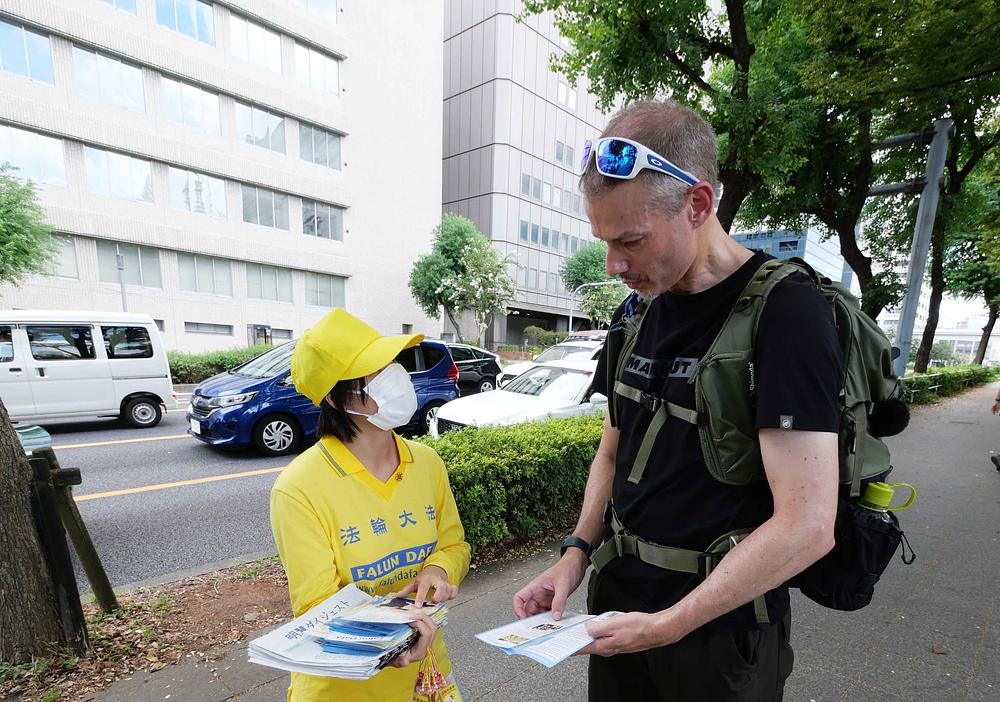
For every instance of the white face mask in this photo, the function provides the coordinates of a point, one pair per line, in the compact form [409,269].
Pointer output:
[393,392]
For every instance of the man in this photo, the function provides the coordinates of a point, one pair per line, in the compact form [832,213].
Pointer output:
[684,636]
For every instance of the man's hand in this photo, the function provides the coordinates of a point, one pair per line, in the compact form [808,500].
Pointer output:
[418,650]
[996,406]
[430,577]
[631,632]
[550,590]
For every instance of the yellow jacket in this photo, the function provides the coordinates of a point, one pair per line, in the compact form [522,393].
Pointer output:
[335,523]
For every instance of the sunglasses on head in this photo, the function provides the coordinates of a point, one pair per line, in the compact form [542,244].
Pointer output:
[623,158]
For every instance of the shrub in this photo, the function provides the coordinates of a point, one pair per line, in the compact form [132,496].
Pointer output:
[509,480]
[920,388]
[507,348]
[195,367]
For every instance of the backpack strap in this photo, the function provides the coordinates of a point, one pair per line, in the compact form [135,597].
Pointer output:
[619,353]
[679,560]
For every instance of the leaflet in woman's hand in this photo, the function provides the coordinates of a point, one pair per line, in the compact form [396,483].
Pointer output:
[542,638]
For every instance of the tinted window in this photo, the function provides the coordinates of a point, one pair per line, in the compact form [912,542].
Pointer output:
[268,364]
[408,359]
[432,356]
[127,342]
[561,351]
[6,345]
[61,343]
[460,353]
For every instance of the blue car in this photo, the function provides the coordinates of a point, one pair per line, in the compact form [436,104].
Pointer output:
[256,404]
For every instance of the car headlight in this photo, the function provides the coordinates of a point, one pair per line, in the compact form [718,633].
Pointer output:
[230,400]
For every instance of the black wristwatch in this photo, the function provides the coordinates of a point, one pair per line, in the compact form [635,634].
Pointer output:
[575,542]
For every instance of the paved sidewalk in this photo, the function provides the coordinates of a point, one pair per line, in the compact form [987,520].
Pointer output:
[931,635]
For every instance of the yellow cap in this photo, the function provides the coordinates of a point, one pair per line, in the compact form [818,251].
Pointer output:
[341,347]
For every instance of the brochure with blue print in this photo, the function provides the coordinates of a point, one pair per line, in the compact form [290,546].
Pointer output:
[543,639]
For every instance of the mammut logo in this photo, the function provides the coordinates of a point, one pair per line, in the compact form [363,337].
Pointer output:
[750,366]
[682,367]
[646,367]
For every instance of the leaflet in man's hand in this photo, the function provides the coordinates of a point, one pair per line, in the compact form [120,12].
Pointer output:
[542,638]
[349,635]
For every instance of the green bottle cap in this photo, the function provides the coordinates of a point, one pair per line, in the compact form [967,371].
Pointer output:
[878,497]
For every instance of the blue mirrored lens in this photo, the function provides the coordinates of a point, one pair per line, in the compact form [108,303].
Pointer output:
[616,158]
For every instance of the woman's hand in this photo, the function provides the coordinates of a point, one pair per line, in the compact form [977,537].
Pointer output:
[416,653]
[431,577]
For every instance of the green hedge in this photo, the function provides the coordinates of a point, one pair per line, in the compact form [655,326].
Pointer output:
[195,367]
[508,480]
[941,382]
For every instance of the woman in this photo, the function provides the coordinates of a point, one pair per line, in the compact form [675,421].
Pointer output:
[363,505]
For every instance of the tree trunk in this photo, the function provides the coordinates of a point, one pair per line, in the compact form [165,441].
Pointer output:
[29,614]
[984,340]
[735,188]
[454,323]
[937,293]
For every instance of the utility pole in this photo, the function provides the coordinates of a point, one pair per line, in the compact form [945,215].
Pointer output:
[572,297]
[929,188]
[121,280]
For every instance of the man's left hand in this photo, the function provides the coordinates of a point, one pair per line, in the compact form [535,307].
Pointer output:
[631,632]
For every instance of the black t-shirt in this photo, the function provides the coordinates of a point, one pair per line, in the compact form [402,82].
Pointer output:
[798,368]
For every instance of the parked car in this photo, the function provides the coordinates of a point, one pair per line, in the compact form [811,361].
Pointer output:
[478,369]
[553,389]
[54,365]
[578,350]
[256,404]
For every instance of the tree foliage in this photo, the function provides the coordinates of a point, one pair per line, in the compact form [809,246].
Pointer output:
[26,244]
[484,288]
[600,302]
[587,265]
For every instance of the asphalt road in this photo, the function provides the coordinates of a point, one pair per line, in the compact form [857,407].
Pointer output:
[172,524]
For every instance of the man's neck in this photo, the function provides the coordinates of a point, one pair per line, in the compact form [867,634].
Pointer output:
[718,258]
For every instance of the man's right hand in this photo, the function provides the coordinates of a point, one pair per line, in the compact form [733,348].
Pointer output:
[551,589]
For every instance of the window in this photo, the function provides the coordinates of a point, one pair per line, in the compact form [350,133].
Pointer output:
[460,353]
[191,106]
[546,193]
[524,230]
[159,324]
[319,146]
[561,93]
[142,264]
[534,233]
[317,70]
[324,290]
[260,127]
[322,220]
[63,264]
[560,147]
[123,5]
[282,334]
[108,80]
[574,244]
[566,238]
[127,342]
[324,8]
[118,175]
[269,283]
[556,196]
[205,274]
[569,156]
[38,158]
[576,204]
[61,343]
[6,344]
[788,245]
[525,184]
[522,277]
[196,192]
[26,53]
[533,279]
[191,17]
[252,42]
[265,207]
[205,328]
[545,236]
[407,328]
[555,240]
[536,188]
[543,283]
[571,102]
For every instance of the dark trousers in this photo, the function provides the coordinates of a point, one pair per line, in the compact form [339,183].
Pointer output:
[704,666]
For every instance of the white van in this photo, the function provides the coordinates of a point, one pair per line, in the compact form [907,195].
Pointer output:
[83,364]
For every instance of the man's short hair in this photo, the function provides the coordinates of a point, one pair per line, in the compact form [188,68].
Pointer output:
[333,420]
[675,132]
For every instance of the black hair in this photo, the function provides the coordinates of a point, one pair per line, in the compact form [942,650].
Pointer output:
[333,420]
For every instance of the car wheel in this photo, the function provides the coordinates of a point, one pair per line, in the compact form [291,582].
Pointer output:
[276,435]
[142,413]
[429,413]
[486,384]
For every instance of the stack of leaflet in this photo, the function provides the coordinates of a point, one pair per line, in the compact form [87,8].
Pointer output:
[350,635]
[543,639]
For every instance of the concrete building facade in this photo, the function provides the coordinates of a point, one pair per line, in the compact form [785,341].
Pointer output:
[513,139]
[252,161]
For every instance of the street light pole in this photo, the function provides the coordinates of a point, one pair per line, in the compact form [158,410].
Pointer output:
[572,296]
